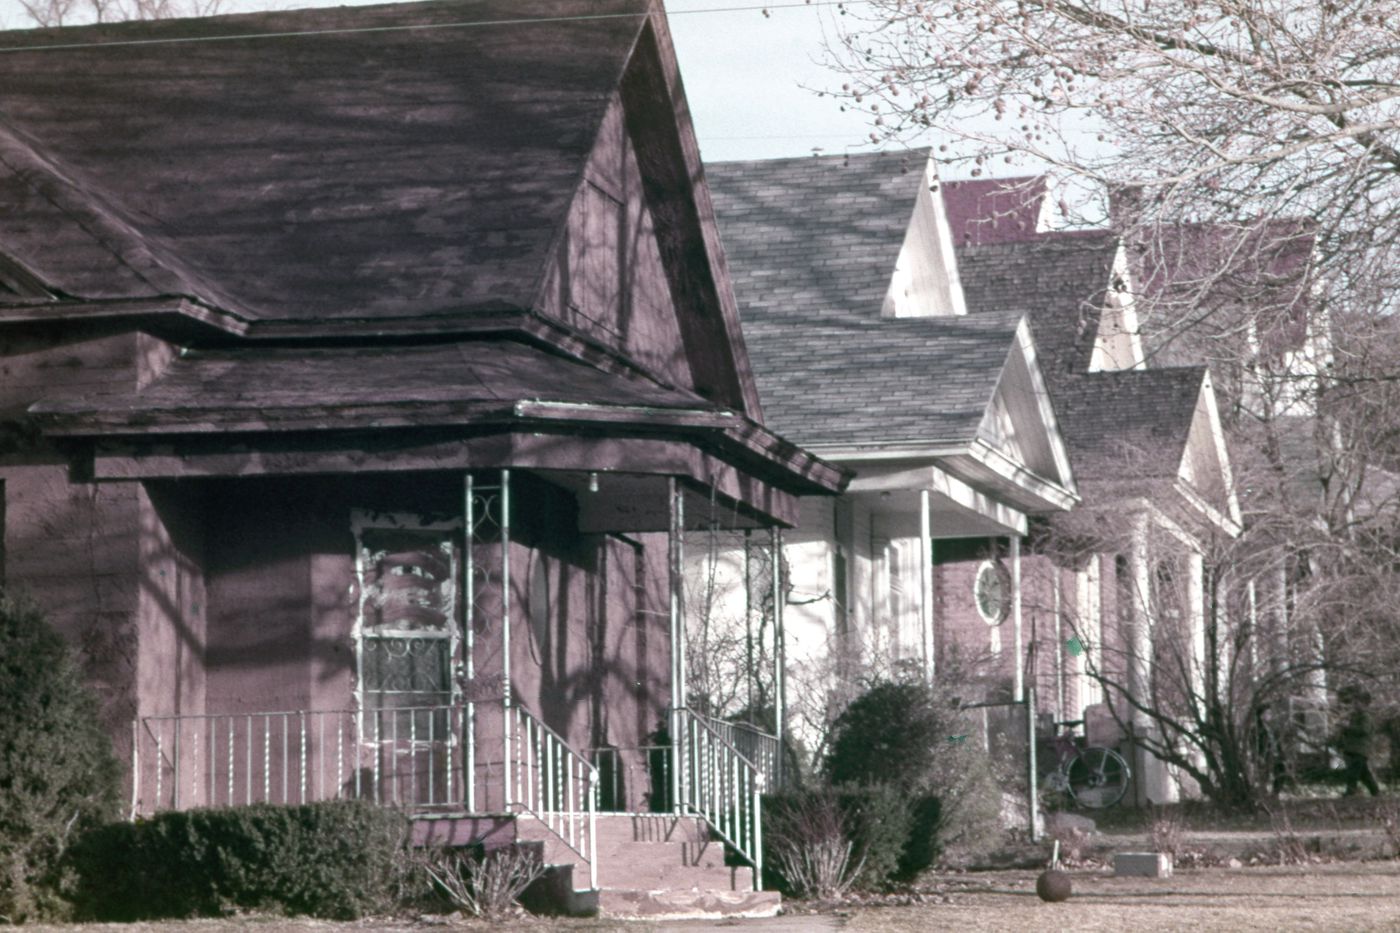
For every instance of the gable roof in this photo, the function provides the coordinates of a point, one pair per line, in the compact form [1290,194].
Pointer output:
[367,162]
[915,381]
[1060,280]
[815,237]
[1129,424]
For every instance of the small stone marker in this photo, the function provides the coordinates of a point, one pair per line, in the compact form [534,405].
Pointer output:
[1142,864]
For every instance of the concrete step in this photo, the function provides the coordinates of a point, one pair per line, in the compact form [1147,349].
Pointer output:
[625,903]
[661,852]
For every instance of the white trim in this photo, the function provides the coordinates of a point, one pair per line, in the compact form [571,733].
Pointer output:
[362,520]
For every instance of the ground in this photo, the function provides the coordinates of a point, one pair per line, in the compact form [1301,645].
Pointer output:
[1341,896]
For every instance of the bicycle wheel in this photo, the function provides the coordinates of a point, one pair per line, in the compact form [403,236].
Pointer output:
[1098,777]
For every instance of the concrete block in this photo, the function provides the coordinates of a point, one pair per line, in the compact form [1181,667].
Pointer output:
[1142,864]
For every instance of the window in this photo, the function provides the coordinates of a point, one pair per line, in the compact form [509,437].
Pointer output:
[408,607]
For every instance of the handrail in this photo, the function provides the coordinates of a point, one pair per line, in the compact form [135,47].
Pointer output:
[762,748]
[718,783]
[556,785]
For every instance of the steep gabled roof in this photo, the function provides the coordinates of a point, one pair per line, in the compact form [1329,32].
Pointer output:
[373,162]
[1124,425]
[1061,281]
[815,237]
[918,381]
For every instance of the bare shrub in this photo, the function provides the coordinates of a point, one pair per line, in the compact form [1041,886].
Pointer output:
[813,849]
[487,885]
[1291,849]
[1166,833]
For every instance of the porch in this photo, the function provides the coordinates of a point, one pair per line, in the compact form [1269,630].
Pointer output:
[500,671]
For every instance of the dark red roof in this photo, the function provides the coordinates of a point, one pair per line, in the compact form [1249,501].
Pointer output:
[370,162]
[993,210]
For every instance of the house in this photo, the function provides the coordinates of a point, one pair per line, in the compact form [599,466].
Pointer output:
[364,370]
[872,268]
[863,346]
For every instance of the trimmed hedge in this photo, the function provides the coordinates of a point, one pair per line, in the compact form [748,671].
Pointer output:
[338,860]
[58,776]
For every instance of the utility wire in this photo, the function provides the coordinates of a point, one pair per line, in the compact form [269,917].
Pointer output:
[363,30]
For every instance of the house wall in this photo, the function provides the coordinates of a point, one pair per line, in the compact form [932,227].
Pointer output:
[70,545]
[607,278]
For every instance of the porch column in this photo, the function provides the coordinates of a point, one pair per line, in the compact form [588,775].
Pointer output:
[1196,619]
[926,582]
[775,543]
[1018,662]
[469,634]
[1139,617]
[675,575]
[508,700]
[1057,607]
[1152,780]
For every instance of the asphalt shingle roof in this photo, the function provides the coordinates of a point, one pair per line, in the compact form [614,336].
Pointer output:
[1128,424]
[354,173]
[812,244]
[815,237]
[895,382]
[1060,280]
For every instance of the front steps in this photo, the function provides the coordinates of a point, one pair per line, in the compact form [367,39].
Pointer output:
[658,866]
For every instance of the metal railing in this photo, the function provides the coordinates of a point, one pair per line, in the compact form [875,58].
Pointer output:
[761,748]
[633,780]
[555,784]
[718,783]
[402,757]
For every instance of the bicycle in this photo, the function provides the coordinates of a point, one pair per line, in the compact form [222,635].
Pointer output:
[1092,776]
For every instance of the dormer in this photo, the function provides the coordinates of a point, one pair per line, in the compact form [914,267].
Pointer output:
[925,281]
[1118,343]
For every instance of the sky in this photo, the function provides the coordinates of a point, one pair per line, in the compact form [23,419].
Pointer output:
[750,79]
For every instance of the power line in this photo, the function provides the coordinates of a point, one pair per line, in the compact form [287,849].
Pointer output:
[364,30]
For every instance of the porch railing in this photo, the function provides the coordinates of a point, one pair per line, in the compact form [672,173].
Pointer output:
[421,759]
[554,784]
[761,748]
[718,783]
[401,757]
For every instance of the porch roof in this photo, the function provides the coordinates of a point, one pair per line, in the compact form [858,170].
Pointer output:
[325,391]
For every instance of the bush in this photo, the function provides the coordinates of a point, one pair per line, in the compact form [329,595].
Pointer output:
[338,860]
[58,776]
[484,884]
[906,736]
[821,841]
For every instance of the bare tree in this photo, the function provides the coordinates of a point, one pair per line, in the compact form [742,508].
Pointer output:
[53,14]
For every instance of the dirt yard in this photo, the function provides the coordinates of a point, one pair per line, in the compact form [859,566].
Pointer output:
[1336,897]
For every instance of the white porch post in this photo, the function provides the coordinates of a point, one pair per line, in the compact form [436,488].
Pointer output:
[506,731]
[775,538]
[1196,618]
[1057,606]
[1139,596]
[469,633]
[926,582]
[675,568]
[1018,689]
[1152,784]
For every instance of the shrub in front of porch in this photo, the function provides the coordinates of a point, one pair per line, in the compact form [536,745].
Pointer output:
[908,736]
[338,860]
[58,776]
[821,841]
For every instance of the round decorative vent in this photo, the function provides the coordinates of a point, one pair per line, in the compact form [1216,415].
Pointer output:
[992,592]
